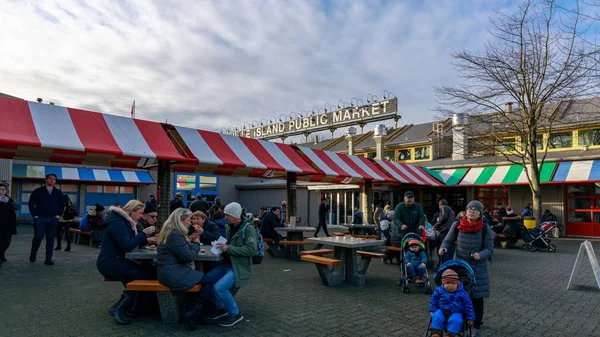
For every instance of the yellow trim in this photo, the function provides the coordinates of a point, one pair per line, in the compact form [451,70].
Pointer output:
[576,138]
[561,148]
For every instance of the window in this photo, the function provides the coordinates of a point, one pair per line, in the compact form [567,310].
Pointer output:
[588,137]
[560,140]
[389,155]
[186,182]
[583,210]
[371,155]
[111,189]
[404,154]
[539,143]
[94,188]
[69,188]
[126,189]
[491,197]
[422,153]
[209,180]
[30,186]
[506,145]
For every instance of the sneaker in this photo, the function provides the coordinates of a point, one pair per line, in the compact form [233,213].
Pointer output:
[49,262]
[218,314]
[231,321]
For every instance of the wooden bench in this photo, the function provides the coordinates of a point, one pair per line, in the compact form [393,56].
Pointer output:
[78,233]
[338,234]
[292,242]
[329,277]
[373,255]
[365,236]
[172,304]
[317,252]
[394,248]
[267,240]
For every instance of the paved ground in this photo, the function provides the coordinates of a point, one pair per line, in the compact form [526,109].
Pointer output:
[287,298]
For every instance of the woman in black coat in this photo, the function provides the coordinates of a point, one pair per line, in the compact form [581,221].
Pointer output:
[8,221]
[209,231]
[121,237]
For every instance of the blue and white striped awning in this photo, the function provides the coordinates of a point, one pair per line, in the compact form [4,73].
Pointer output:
[82,174]
[586,170]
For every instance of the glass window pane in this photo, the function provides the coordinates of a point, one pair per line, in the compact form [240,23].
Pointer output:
[579,190]
[24,209]
[596,217]
[579,203]
[589,137]
[73,197]
[126,189]
[94,188]
[371,154]
[208,187]
[111,189]
[207,179]
[69,188]
[422,153]
[30,186]
[25,197]
[500,192]
[539,143]
[560,140]
[389,155]
[579,216]
[404,154]
[186,182]
[507,145]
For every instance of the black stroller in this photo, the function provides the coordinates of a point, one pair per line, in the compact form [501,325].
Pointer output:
[404,279]
[538,237]
[467,279]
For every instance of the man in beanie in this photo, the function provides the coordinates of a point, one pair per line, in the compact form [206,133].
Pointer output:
[235,268]
[408,218]
[448,304]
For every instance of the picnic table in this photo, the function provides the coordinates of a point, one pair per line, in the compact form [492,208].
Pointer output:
[294,236]
[359,229]
[353,266]
[151,254]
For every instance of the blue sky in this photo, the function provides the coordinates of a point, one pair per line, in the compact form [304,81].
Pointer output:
[212,64]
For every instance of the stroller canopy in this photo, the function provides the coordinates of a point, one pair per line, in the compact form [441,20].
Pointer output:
[411,236]
[462,268]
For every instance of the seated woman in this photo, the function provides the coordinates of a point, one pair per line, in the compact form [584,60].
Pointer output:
[176,253]
[209,231]
[120,237]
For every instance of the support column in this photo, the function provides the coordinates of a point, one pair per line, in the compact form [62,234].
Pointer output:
[366,199]
[164,185]
[291,196]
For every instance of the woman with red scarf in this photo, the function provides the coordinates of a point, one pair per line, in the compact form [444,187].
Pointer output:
[474,244]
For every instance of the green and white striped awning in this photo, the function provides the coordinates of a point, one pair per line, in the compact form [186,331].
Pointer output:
[449,177]
[504,175]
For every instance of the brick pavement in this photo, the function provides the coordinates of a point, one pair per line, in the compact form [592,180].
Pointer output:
[286,298]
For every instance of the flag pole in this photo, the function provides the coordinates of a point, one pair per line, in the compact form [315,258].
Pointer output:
[133,110]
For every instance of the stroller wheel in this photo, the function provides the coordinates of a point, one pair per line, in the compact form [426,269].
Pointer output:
[405,289]
[428,290]
[526,248]
[551,248]
[532,249]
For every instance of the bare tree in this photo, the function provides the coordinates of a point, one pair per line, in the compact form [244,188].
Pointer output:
[542,57]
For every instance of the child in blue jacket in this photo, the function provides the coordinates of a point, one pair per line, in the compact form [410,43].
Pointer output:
[416,261]
[449,303]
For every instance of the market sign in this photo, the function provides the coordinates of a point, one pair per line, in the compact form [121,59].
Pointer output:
[348,116]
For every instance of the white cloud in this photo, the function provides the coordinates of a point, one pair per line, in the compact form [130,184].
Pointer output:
[215,64]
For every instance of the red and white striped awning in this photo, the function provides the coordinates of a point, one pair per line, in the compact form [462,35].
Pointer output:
[36,131]
[340,167]
[231,155]
[407,173]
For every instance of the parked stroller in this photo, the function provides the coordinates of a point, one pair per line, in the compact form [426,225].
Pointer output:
[539,237]
[467,279]
[404,279]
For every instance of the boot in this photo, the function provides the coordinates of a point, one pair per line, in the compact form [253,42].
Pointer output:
[68,249]
[113,308]
[58,245]
[122,307]
[436,333]
[193,315]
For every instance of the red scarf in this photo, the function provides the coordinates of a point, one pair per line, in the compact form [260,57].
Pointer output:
[466,227]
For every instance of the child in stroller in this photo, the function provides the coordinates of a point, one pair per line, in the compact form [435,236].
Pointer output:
[538,237]
[413,266]
[450,303]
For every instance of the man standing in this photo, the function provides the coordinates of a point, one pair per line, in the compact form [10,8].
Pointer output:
[234,270]
[408,217]
[177,202]
[443,224]
[199,205]
[46,205]
[323,210]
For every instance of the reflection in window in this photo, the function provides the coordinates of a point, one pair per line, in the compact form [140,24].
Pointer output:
[30,186]
[404,154]
[580,203]
[560,140]
[422,153]
[389,155]
[579,190]
[579,216]
[186,182]
[207,179]
[507,145]
[539,143]
[208,187]
[589,137]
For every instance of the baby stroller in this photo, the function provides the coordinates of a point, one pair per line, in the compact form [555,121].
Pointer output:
[467,279]
[538,237]
[404,279]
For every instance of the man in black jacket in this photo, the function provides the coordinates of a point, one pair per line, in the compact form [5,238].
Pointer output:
[444,222]
[199,205]
[176,203]
[271,221]
[323,210]
[46,205]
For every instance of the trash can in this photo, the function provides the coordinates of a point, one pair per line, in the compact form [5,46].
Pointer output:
[529,222]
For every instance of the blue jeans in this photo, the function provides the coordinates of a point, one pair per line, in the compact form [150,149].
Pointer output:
[44,225]
[455,321]
[217,283]
[415,270]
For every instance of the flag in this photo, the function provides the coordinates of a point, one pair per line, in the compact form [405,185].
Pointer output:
[133,110]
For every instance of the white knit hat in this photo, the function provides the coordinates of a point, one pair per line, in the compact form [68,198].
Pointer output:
[233,209]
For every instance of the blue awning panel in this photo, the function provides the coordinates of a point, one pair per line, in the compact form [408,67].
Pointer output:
[82,174]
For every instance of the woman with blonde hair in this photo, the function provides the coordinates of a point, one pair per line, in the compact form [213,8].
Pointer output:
[120,237]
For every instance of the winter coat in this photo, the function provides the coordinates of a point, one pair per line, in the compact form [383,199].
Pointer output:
[211,232]
[323,210]
[469,243]
[412,217]
[445,219]
[42,203]
[8,217]
[454,302]
[199,205]
[241,251]
[511,226]
[174,255]
[221,223]
[270,222]
[69,213]
[119,238]
[416,259]
[175,204]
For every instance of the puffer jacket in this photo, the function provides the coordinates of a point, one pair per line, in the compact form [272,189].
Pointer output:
[455,302]
[469,243]
[174,255]
[415,258]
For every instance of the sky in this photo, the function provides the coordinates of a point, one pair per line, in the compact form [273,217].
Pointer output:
[215,64]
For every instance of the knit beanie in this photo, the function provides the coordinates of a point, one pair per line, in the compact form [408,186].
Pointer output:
[413,242]
[476,204]
[450,276]
[233,209]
